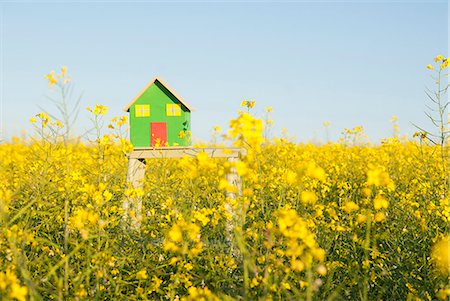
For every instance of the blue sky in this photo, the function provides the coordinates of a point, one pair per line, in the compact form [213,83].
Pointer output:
[346,62]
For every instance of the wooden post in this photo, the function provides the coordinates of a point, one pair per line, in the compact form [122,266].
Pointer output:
[234,179]
[132,207]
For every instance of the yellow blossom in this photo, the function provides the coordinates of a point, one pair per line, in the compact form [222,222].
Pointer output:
[379,217]
[195,294]
[438,58]
[99,109]
[248,103]
[350,206]
[378,177]
[308,197]
[380,202]
[51,78]
[321,270]
[361,218]
[142,274]
[316,172]
[440,255]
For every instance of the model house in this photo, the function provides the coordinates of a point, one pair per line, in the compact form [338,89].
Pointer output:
[159,117]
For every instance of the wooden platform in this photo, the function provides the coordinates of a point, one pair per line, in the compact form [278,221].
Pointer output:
[138,158]
[180,152]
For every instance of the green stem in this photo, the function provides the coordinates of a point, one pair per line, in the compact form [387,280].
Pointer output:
[309,278]
[366,258]
[66,246]
[442,143]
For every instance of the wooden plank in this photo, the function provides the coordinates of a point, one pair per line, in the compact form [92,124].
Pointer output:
[180,152]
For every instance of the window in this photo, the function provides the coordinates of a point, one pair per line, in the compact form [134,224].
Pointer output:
[173,110]
[142,110]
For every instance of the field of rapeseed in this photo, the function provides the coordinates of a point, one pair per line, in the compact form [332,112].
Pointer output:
[340,221]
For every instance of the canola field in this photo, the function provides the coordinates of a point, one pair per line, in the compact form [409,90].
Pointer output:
[337,221]
[340,221]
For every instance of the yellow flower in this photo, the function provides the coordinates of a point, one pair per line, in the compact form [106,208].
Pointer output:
[142,274]
[361,218]
[318,253]
[429,66]
[51,78]
[195,294]
[440,255]
[202,216]
[156,283]
[321,270]
[183,237]
[251,104]
[308,197]
[350,206]
[175,234]
[316,172]
[297,265]
[290,177]
[379,217]
[443,294]
[9,282]
[81,292]
[45,119]
[380,202]
[18,292]
[100,110]
[248,103]
[248,130]
[438,58]
[83,220]
[378,177]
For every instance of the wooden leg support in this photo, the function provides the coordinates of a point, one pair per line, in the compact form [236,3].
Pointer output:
[234,179]
[132,207]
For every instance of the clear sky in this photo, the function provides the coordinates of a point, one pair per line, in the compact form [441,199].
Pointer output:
[346,62]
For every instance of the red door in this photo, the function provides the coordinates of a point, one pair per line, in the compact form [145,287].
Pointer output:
[158,133]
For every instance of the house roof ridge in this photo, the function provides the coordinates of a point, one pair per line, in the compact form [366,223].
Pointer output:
[162,82]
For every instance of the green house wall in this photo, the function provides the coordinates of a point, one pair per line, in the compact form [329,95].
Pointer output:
[157,96]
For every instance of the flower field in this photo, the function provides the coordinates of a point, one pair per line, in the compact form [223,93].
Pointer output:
[336,221]
[340,221]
